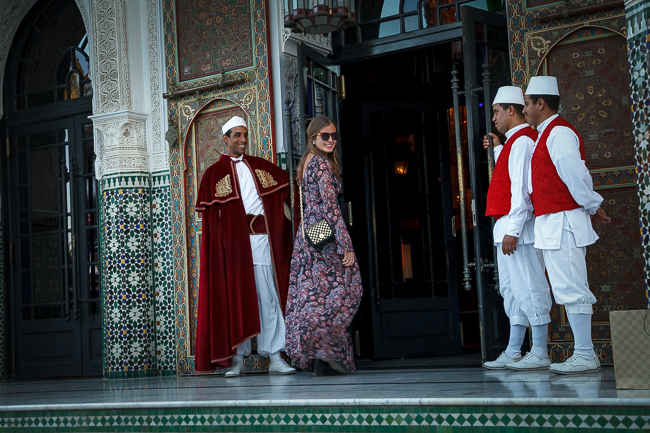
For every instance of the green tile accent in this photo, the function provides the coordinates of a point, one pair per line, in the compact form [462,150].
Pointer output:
[320,419]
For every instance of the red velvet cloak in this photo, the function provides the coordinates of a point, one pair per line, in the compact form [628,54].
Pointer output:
[228,313]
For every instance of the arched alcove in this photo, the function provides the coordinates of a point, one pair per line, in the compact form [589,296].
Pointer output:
[590,63]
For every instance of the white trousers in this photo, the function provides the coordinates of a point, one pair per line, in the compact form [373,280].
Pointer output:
[272,330]
[567,271]
[523,285]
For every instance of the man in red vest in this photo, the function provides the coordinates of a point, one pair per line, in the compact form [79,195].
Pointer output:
[246,249]
[523,285]
[566,206]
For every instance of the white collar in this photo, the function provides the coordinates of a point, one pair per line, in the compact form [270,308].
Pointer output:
[511,131]
[240,158]
[542,126]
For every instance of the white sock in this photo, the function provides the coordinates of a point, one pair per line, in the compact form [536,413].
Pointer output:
[581,327]
[237,358]
[517,334]
[540,334]
[274,356]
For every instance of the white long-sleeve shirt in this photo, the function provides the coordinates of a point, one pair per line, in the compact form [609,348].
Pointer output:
[253,206]
[564,148]
[520,221]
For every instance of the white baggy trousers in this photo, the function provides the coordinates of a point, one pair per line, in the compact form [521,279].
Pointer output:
[271,337]
[523,285]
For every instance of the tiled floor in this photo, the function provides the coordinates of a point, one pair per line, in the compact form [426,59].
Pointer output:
[443,397]
[457,384]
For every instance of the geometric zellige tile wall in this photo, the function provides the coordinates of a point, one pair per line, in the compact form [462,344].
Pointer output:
[163,264]
[638,49]
[129,337]
[334,419]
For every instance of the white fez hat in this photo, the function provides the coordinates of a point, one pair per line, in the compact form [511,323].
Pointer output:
[509,95]
[234,121]
[542,86]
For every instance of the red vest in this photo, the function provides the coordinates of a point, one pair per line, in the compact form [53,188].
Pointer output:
[550,193]
[499,195]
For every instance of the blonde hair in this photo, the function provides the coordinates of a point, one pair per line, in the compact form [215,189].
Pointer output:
[315,127]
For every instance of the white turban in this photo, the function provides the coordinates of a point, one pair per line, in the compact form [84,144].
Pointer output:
[234,121]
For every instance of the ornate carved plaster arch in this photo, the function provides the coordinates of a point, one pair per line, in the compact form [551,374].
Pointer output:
[544,47]
[538,43]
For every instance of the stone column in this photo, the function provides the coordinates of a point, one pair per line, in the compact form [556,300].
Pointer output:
[638,42]
[123,123]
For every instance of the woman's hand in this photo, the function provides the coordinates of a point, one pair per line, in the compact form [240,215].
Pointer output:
[348,259]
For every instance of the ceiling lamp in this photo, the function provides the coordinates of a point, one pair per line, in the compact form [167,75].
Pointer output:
[318,16]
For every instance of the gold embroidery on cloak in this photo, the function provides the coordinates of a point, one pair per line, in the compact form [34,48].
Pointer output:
[223,187]
[265,178]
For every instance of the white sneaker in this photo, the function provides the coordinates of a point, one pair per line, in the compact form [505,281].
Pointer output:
[236,369]
[530,362]
[281,367]
[575,365]
[500,362]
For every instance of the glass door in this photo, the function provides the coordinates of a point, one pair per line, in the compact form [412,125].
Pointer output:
[54,243]
[486,66]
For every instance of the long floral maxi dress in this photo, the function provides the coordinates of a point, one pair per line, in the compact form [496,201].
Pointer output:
[323,294]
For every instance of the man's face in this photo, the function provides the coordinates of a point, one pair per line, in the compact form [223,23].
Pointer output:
[237,141]
[532,111]
[501,118]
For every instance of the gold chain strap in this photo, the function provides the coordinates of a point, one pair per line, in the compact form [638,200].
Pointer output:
[302,218]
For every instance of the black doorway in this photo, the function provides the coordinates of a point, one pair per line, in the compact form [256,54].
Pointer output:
[51,220]
[400,176]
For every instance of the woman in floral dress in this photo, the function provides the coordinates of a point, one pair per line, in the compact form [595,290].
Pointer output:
[324,286]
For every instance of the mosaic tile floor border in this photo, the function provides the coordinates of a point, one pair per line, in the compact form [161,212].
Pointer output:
[387,418]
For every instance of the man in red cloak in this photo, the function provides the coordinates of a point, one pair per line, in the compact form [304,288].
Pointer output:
[245,257]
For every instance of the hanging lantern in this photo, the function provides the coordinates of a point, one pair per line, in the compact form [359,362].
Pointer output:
[318,16]
[401,168]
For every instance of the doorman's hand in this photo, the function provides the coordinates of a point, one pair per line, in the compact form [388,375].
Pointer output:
[348,259]
[600,218]
[509,245]
[495,140]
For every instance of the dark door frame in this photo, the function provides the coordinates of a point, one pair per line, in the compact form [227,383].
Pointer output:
[490,303]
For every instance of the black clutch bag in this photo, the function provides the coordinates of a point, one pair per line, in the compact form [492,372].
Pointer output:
[318,235]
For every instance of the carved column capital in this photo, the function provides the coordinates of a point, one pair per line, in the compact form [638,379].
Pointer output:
[121,143]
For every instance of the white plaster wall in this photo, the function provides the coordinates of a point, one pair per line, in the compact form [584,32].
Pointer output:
[130,83]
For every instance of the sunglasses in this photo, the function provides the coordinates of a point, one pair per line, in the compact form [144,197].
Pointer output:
[326,136]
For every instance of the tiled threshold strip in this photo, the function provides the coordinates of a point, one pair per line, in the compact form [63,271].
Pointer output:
[337,415]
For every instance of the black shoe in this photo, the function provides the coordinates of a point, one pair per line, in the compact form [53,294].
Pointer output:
[338,367]
[321,368]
